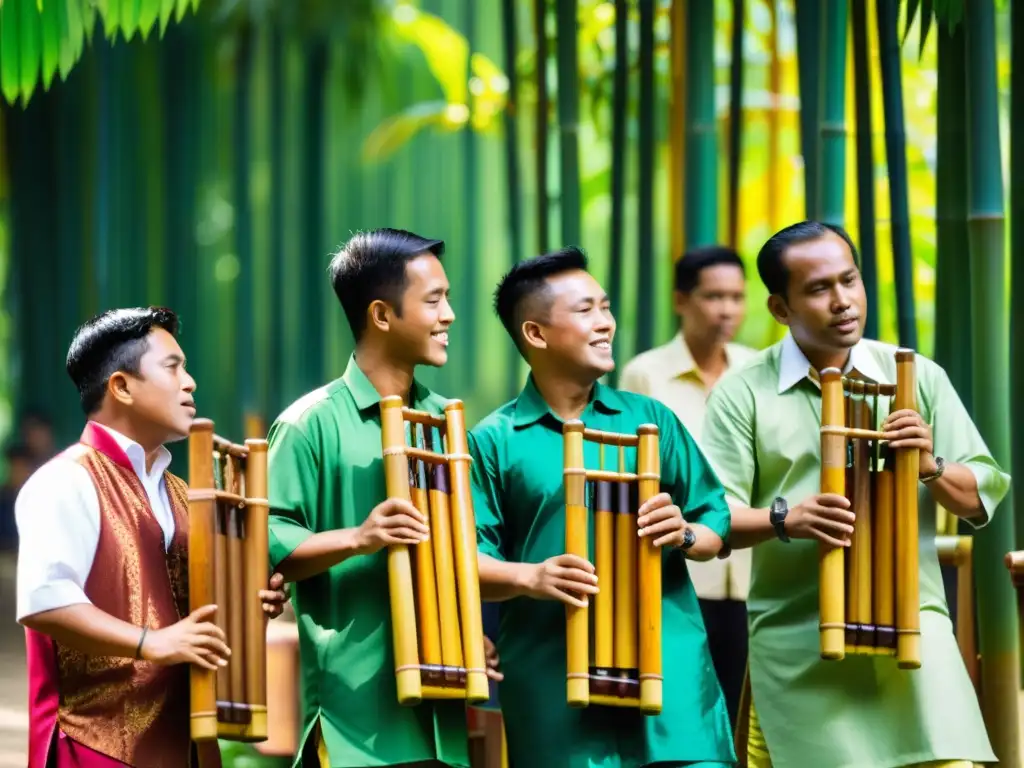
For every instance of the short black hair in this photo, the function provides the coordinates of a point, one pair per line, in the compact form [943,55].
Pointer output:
[111,342]
[17,450]
[371,266]
[770,264]
[696,260]
[523,289]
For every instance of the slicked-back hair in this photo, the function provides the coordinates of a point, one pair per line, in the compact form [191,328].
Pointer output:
[371,267]
[696,260]
[770,260]
[112,342]
[521,294]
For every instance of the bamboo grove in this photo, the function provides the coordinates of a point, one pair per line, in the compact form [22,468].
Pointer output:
[210,155]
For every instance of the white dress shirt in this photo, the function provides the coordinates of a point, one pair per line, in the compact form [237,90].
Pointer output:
[669,373]
[58,516]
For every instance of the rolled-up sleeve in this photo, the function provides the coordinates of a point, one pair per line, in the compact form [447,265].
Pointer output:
[58,517]
[485,481]
[727,439]
[957,440]
[292,468]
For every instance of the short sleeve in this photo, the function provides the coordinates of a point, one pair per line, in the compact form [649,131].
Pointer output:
[688,477]
[633,379]
[485,482]
[58,517]
[957,440]
[293,486]
[727,438]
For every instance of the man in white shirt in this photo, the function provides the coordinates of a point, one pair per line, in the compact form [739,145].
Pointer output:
[710,299]
[103,561]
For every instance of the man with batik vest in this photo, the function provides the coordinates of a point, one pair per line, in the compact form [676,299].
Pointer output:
[103,561]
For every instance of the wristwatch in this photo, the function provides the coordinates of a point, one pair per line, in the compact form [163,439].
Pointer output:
[689,539]
[940,467]
[777,516]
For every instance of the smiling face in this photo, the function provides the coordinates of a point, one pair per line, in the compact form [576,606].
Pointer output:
[160,396]
[825,306]
[418,334]
[577,329]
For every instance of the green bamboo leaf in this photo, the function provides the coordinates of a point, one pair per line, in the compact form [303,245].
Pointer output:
[149,12]
[10,54]
[71,36]
[398,129]
[31,46]
[927,14]
[50,22]
[911,13]
[130,18]
[166,11]
[445,50]
[110,12]
[182,9]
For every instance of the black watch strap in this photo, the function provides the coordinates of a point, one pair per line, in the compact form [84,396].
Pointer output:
[777,515]
[689,539]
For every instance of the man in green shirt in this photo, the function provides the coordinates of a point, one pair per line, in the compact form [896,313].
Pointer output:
[559,318]
[331,523]
[761,433]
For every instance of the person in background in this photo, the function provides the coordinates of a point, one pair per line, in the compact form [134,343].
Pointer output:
[710,300]
[19,464]
[36,433]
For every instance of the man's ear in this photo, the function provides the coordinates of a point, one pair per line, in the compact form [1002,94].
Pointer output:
[379,315]
[679,300]
[779,309]
[118,388]
[534,335]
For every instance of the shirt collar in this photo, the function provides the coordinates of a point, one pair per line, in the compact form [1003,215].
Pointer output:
[531,406]
[363,391]
[794,366]
[679,360]
[137,454]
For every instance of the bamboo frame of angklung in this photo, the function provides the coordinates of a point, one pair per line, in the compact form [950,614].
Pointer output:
[437,620]
[1015,564]
[228,566]
[869,591]
[624,668]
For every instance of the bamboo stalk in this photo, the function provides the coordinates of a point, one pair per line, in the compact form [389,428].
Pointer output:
[831,166]
[808,42]
[1017,255]
[997,618]
[701,180]
[645,181]
[240,167]
[540,11]
[568,120]
[735,121]
[512,169]
[620,105]
[865,164]
[896,160]
[677,138]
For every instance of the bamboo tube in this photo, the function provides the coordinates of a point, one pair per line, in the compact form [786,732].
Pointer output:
[202,513]
[235,568]
[604,558]
[626,623]
[908,604]
[885,557]
[860,549]
[464,536]
[400,580]
[428,612]
[833,480]
[577,619]
[256,578]
[649,471]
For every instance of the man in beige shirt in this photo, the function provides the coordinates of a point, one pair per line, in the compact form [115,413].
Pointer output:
[709,297]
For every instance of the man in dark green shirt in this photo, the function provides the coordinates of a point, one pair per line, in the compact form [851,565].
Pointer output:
[559,318]
[331,524]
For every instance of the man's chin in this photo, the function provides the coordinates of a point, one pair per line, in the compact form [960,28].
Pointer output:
[434,359]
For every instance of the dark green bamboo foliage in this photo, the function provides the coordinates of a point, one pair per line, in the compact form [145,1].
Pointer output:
[568,120]
[997,610]
[620,101]
[865,163]
[540,19]
[241,126]
[512,165]
[645,183]
[701,203]
[896,161]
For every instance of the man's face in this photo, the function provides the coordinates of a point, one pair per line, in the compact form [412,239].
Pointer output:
[579,327]
[713,311]
[826,306]
[420,334]
[161,395]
